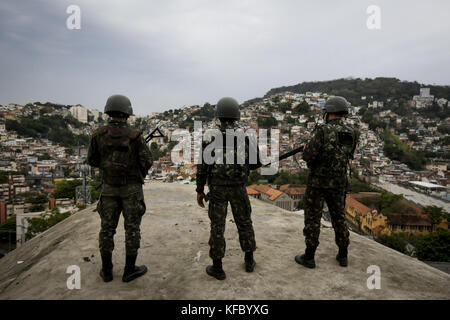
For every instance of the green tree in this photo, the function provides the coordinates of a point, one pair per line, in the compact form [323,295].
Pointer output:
[45,156]
[397,241]
[38,225]
[396,149]
[356,186]
[254,177]
[9,224]
[8,230]
[95,189]
[66,189]
[435,215]
[387,200]
[302,108]
[37,199]
[284,178]
[434,246]
[267,122]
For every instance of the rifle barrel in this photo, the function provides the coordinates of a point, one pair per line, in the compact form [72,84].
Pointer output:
[282,157]
[290,153]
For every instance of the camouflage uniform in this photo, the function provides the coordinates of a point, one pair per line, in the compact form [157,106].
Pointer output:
[227,183]
[121,182]
[328,155]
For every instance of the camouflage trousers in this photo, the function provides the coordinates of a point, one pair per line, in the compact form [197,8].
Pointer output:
[217,211]
[335,199]
[110,207]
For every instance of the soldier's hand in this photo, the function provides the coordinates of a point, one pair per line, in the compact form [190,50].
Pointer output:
[200,197]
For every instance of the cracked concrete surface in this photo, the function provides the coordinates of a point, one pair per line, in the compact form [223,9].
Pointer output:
[175,248]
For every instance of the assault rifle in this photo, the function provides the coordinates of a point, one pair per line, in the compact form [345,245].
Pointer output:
[282,157]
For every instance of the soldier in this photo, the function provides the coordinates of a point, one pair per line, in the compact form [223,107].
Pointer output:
[327,155]
[227,183]
[124,160]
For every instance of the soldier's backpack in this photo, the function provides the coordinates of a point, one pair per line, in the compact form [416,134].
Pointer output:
[339,146]
[117,153]
[229,173]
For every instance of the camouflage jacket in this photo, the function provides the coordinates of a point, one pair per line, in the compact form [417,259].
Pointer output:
[125,148]
[329,152]
[225,174]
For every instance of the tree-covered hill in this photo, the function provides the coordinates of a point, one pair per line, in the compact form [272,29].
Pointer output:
[353,89]
[55,128]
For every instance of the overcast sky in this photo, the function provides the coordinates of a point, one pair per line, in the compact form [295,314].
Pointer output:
[166,54]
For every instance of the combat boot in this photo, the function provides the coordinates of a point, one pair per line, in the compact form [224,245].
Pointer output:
[107,266]
[216,270]
[342,257]
[132,271]
[307,259]
[249,262]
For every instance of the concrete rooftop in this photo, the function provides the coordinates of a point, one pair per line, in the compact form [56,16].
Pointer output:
[175,248]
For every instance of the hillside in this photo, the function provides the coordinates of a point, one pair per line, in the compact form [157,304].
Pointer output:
[175,248]
[353,89]
[54,128]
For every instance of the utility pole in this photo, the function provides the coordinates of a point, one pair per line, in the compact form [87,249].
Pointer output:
[84,191]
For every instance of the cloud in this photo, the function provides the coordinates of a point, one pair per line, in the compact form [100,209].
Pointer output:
[165,54]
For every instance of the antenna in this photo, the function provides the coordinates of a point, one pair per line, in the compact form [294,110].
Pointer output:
[83,192]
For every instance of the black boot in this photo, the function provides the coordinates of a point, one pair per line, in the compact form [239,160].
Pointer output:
[131,270]
[216,270]
[249,262]
[107,266]
[342,257]
[307,259]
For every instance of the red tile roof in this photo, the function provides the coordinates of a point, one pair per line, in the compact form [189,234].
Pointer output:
[272,193]
[252,191]
[358,206]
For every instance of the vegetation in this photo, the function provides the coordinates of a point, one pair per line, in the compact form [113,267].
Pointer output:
[434,247]
[156,151]
[9,225]
[302,108]
[38,201]
[4,175]
[8,230]
[38,225]
[435,215]
[396,149]
[267,122]
[356,186]
[55,128]
[66,188]
[280,178]
[380,89]
[388,203]
[398,241]
[205,113]
[430,247]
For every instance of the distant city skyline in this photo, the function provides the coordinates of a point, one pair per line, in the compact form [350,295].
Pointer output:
[164,55]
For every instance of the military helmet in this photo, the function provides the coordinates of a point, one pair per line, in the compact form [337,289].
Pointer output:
[228,108]
[118,103]
[337,105]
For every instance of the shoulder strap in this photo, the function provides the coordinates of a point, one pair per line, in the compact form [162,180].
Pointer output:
[134,134]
